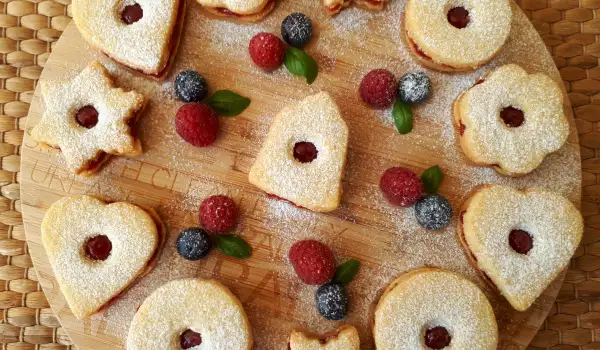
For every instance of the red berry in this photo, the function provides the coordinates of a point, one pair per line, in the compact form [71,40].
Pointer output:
[378,88]
[313,261]
[218,214]
[401,186]
[197,124]
[267,51]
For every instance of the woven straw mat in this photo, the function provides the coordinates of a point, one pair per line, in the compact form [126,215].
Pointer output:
[30,28]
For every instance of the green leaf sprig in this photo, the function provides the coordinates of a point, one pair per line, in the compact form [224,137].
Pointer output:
[227,103]
[403,117]
[301,64]
[233,245]
[346,272]
[432,178]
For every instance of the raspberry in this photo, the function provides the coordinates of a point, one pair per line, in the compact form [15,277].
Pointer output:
[218,214]
[378,88]
[267,51]
[313,261]
[197,124]
[401,186]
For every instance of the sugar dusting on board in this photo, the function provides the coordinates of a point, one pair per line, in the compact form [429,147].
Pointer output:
[386,239]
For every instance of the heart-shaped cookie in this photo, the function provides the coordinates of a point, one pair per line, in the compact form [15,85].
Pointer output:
[303,157]
[511,120]
[96,249]
[248,10]
[141,34]
[345,338]
[190,313]
[519,240]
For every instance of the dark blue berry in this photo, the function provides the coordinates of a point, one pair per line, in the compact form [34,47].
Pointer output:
[433,212]
[193,243]
[414,87]
[332,301]
[190,86]
[296,29]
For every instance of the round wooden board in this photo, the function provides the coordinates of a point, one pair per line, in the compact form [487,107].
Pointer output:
[174,177]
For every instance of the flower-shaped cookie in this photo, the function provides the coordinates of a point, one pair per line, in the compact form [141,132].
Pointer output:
[96,249]
[511,120]
[345,338]
[248,10]
[519,240]
[141,34]
[88,117]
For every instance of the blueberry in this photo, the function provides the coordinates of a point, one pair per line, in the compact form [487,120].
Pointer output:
[190,86]
[296,29]
[193,243]
[433,212]
[332,301]
[414,87]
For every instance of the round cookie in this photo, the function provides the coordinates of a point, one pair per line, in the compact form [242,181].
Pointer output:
[345,338]
[511,120]
[447,37]
[204,308]
[427,300]
[520,241]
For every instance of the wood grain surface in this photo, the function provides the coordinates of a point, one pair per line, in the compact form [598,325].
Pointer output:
[173,177]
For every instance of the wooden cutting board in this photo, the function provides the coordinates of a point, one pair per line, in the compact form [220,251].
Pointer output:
[174,177]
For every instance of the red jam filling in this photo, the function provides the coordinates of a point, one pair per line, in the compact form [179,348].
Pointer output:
[459,17]
[305,152]
[132,14]
[520,241]
[512,117]
[462,128]
[437,338]
[98,247]
[189,339]
[87,117]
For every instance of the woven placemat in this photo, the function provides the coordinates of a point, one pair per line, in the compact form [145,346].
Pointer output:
[30,28]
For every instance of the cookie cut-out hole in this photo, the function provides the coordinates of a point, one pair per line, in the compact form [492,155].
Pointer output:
[189,339]
[512,117]
[132,14]
[98,248]
[437,338]
[520,241]
[305,152]
[459,17]
[87,117]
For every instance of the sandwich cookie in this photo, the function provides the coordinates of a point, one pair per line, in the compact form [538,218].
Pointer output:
[430,308]
[190,313]
[447,35]
[98,249]
[303,157]
[520,241]
[345,338]
[511,120]
[247,10]
[140,34]
[333,7]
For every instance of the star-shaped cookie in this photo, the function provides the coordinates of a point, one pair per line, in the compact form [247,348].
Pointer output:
[88,118]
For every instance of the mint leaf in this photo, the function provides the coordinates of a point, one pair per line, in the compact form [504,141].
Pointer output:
[233,245]
[227,103]
[402,117]
[301,64]
[432,178]
[345,272]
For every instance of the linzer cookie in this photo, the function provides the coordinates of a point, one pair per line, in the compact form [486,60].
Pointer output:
[303,157]
[97,249]
[519,240]
[89,118]
[345,338]
[430,308]
[456,36]
[333,7]
[190,313]
[247,10]
[140,34]
[511,120]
